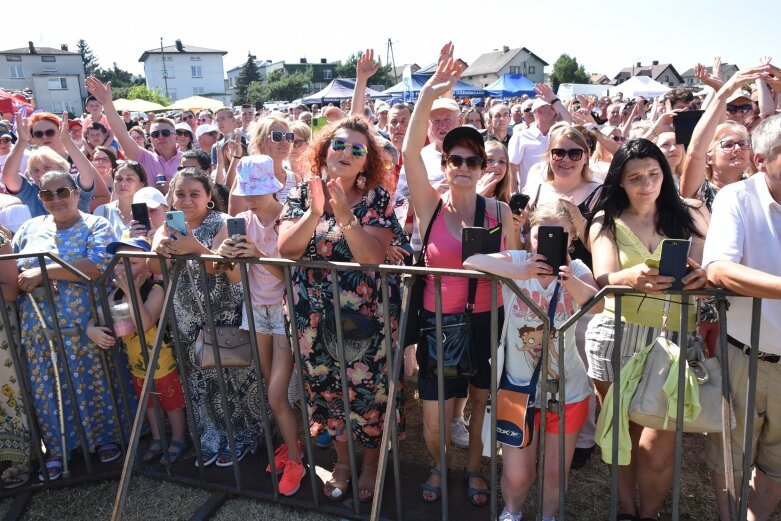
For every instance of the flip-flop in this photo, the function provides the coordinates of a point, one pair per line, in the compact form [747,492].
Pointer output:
[53,469]
[224,458]
[109,452]
[208,458]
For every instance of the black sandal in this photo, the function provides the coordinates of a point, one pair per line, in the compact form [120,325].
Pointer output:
[472,492]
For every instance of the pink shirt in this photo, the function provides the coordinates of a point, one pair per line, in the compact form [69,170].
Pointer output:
[155,165]
[265,289]
[444,251]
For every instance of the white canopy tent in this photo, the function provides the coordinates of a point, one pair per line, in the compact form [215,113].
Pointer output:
[640,86]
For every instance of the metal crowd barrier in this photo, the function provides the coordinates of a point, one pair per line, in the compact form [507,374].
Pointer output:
[252,482]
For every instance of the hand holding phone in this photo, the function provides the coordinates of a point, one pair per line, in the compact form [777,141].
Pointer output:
[175,221]
[140,213]
[672,263]
[552,242]
[518,202]
[237,226]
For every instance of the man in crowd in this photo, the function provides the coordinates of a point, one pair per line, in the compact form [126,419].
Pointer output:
[381,110]
[398,121]
[247,118]
[96,136]
[226,124]
[499,123]
[188,116]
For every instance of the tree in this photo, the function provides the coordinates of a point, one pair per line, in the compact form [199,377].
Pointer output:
[384,75]
[121,80]
[280,85]
[567,70]
[249,73]
[143,92]
[87,56]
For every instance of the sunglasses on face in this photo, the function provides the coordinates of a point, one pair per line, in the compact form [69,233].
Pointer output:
[734,109]
[158,133]
[5,140]
[277,136]
[61,193]
[189,116]
[574,154]
[728,145]
[472,162]
[298,143]
[618,139]
[38,134]
[358,149]
[182,133]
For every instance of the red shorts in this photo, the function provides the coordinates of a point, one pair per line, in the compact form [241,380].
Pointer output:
[574,413]
[168,390]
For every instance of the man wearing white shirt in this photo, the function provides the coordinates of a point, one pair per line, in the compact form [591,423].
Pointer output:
[528,147]
[742,255]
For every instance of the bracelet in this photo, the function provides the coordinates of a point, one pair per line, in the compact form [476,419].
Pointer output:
[352,223]
[555,100]
[237,157]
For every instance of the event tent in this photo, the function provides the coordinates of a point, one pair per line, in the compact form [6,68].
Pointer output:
[195,103]
[136,105]
[510,85]
[336,91]
[462,89]
[640,86]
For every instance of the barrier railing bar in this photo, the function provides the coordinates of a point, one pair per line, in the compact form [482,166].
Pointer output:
[561,401]
[683,342]
[494,345]
[443,460]
[726,413]
[748,455]
[615,360]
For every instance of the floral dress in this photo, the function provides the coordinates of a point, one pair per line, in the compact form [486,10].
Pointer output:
[87,239]
[358,291]
[241,383]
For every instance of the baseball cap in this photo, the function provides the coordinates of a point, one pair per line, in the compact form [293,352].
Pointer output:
[465,132]
[205,129]
[739,98]
[445,104]
[135,242]
[539,102]
[381,107]
[255,176]
[526,106]
[75,123]
[4,133]
[151,196]
[183,126]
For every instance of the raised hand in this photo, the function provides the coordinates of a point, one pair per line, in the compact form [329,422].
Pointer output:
[65,133]
[316,196]
[740,78]
[717,67]
[338,198]
[97,88]
[366,67]
[545,92]
[22,128]
[447,74]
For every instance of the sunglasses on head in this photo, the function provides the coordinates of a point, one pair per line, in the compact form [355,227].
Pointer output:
[472,162]
[575,154]
[277,136]
[734,109]
[38,134]
[358,149]
[60,193]
[163,132]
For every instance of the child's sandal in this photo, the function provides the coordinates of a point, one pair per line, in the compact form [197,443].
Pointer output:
[151,452]
[176,451]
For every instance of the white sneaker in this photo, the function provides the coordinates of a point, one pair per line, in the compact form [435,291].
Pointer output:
[506,515]
[459,433]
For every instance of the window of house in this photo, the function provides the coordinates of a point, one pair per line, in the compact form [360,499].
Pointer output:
[13,57]
[515,70]
[48,58]
[196,71]
[197,90]
[169,72]
[532,69]
[328,74]
[16,72]
[667,79]
[195,58]
[58,83]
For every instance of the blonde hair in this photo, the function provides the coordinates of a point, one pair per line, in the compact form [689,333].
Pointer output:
[563,211]
[728,127]
[49,157]
[301,129]
[556,134]
[260,130]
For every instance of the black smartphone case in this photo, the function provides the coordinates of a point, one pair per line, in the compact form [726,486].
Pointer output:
[552,242]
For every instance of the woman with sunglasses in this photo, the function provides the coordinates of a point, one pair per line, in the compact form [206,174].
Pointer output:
[80,239]
[463,164]
[302,136]
[184,137]
[638,207]
[46,158]
[342,214]
[128,178]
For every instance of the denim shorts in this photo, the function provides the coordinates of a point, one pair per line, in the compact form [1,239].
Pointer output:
[269,320]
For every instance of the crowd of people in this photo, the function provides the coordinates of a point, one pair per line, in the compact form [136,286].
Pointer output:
[386,183]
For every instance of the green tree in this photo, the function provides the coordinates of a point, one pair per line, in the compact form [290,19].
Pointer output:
[249,73]
[144,92]
[88,57]
[280,85]
[567,70]
[121,80]
[384,75]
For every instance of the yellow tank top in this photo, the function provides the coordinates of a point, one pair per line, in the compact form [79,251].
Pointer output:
[644,310]
[165,361]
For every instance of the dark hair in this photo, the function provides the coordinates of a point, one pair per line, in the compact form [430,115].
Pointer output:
[196,174]
[673,219]
[204,161]
[90,98]
[679,94]
[466,114]
[135,166]
[110,152]
[52,175]
[97,126]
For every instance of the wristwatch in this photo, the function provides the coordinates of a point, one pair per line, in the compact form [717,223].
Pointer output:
[352,223]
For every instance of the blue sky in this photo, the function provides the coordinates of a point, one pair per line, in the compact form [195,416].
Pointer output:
[603,35]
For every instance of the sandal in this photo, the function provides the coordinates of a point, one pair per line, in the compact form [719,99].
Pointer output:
[434,491]
[473,493]
[175,452]
[207,458]
[151,452]
[109,452]
[336,488]
[366,484]
[53,469]
[15,476]
[224,458]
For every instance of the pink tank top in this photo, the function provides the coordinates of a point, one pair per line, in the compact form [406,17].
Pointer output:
[444,251]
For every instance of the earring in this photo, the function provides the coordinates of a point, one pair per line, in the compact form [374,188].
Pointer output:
[210,205]
[360,182]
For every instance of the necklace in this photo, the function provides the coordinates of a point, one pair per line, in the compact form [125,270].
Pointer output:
[453,209]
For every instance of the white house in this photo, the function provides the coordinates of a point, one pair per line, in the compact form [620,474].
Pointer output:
[54,76]
[180,71]
[265,67]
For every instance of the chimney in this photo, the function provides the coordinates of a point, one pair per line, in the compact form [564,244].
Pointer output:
[179,46]
[323,60]
[64,47]
[655,62]
[302,60]
[32,47]
[505,48]
[639,64]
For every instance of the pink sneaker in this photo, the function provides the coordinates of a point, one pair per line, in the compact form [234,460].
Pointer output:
[280,457]
[291,478]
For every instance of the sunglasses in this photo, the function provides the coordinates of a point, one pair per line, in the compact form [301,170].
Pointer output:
[618,139]
[358,149]
[574,154]
[734,109]
[202,120]
[188,117]
[728,145]
[5,140]
[277,136]
[157,133]
[472,162]
[298,143]
[61,193]
[101,160]
[38,134]
[182,133]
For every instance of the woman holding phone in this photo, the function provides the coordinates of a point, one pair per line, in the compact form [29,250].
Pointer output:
[128,178]
[638,208]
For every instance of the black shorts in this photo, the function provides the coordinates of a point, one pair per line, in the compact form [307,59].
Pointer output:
[481,353]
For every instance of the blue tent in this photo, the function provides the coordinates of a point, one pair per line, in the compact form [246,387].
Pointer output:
[336,91]
[510,85]
[462,89]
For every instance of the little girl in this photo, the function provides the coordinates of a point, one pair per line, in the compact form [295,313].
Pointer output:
[523,348]
[168,386]
[256,186]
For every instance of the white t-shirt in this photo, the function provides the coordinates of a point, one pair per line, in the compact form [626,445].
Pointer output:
[526,149]
[290,182]
[747,224]
[22,164]
[14,216]
[524,333]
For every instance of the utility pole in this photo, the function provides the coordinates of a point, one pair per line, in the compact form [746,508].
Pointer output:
[391,60]
[165,73]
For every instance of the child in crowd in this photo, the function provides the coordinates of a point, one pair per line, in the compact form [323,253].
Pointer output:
[168,386]
[523,349]
[256,186]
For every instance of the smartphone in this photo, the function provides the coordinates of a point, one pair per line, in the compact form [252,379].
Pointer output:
[518,202]
[140,213]
[175,221]
[684,123]
[318,123]
[476,240]
[552,242]
[237,226]
[675,253]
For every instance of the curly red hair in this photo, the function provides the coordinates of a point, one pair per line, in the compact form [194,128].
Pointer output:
[54,119]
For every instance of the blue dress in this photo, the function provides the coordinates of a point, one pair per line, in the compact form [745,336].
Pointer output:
[87,239]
